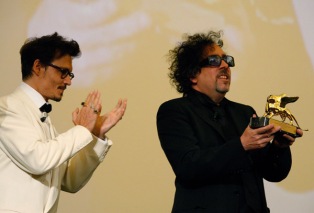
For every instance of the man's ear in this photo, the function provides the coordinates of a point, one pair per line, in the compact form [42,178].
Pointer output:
[193,80]
[37,66]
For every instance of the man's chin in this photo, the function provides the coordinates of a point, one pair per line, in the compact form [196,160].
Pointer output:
[57,99]
[222,91]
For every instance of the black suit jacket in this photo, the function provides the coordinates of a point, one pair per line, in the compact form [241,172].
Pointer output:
[213,173]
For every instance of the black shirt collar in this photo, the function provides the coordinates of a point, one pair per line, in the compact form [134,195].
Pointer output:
[207,101]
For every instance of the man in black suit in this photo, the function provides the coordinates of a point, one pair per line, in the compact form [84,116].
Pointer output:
[219,161]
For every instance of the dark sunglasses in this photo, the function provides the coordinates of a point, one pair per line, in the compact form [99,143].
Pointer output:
[215,61]
[64,72]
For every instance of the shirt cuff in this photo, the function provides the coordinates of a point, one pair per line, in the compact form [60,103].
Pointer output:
[102,147]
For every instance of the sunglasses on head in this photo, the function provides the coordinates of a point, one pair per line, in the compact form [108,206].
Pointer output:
[215,61]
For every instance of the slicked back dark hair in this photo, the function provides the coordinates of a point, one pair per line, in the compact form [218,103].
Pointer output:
[46,48]
[185,58]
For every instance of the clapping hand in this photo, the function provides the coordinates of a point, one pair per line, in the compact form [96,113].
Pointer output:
[88,114]
[110,119]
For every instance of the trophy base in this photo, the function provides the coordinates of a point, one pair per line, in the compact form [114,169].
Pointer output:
[264,121]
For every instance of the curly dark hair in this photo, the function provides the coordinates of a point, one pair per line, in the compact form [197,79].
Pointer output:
[187,55]
[46,48]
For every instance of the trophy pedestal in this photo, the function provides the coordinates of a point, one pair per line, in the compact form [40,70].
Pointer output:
[264,121]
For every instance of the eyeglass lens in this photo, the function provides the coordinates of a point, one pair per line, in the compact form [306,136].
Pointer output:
[215,60]
[64,72]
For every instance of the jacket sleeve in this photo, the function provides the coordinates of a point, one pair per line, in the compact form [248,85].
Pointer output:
[24,140]
[82,165]
[273,163]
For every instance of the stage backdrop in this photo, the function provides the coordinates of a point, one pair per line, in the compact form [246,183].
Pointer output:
[124,45]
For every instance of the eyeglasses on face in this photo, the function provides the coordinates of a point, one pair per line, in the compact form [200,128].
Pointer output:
[64,71]
[215,61]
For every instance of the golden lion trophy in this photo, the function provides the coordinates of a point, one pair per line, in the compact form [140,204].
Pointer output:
[275,106]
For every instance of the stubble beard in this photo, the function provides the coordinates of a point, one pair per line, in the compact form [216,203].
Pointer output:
[57,99]
[222,89]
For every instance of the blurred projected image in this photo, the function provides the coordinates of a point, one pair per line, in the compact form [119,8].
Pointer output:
[103,36]
[304,12]
[108,31]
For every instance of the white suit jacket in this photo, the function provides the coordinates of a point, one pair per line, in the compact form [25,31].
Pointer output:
[36,162]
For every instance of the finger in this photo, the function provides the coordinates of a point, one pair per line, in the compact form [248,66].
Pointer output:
[124,105]
[271,133]
[99,108]
[118,105]
[97,102]
[274,130]
[271,137]
[264,143]
[300,132]
[97,97]
[125,102]
[93,96]
[94,101]
[264,129]
[261,143]
[74,115]
[289,138]
[88,98]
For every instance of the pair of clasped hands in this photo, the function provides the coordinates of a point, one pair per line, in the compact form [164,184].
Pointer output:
[258,138]
[89,115]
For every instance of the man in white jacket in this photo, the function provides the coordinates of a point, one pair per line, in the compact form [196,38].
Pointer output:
[35,161]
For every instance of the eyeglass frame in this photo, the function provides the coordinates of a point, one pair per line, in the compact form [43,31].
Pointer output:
[64,71]
[225,58]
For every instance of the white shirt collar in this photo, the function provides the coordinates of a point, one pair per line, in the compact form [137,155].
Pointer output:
[35,96]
